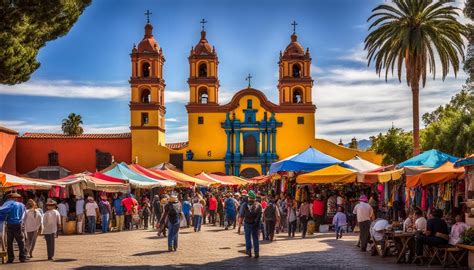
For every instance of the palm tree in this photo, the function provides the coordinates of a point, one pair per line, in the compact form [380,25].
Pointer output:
[416,33]
[72,124]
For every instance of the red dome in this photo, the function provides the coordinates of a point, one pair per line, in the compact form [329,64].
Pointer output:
[148,43]
[294,48]
[203,47]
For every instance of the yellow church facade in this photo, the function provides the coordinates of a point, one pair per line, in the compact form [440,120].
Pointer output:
[242,137]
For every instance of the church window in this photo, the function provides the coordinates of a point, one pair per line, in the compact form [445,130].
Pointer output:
[146,68]
[250,146]
[249,104]
[145,119]
[146,96]
[296,71]
[297,96]
[202,70]
[53,159]
[300,120]
[200,120]
[203,96]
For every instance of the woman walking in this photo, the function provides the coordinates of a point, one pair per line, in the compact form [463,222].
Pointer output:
[291,215]
[33,220]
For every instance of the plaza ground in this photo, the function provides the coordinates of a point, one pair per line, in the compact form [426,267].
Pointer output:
[212,248]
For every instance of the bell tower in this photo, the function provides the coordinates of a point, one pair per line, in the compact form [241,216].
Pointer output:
[295,83]
[147,104]
[203,80]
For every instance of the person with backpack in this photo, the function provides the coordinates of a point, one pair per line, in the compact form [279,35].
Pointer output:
[251,212]
[271,216]
[174,214]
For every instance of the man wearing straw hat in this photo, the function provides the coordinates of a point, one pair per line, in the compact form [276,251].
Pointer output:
[12,212]
[365,214]
[173,212]
[51,223]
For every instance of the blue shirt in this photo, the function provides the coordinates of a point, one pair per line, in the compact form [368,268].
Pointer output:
[118,206]
[230,207]
[186,207]
[12,212]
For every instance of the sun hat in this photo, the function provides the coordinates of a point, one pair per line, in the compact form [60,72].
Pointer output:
[51,202]
[252,195]
[363,198]
[14,195]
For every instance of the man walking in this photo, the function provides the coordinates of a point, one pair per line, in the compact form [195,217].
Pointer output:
[270,216]
[12,211]
[118,210]
[156,205]
[174,214]
[365,214]
[251,212]
[51,223]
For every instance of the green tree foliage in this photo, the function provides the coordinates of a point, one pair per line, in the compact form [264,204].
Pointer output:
[26,26]
[450,128]
[395,146]
[469,62]
[408,36]
[72,124]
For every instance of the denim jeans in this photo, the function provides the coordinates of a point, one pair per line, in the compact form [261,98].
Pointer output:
[188,220]
[197,223]
[173,229]
[251,235]
[105,223]
[91,224]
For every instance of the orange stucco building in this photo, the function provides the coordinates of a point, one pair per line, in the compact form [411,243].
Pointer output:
[8,150]
[87,152]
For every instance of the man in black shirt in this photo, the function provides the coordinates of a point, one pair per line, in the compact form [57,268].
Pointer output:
[436,234]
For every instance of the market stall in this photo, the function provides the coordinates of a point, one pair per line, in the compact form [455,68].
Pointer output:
[307,161]
[12,181]
[158,176]
[136,180]
[334,174]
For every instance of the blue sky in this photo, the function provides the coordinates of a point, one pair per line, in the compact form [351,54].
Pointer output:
[87,70]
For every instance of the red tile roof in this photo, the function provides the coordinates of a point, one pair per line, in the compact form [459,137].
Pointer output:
[178,145]
[82,136]
[7,130]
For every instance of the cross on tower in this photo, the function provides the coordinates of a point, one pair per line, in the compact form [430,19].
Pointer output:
[203,22]
[294,27]
[148,13]
[249,77]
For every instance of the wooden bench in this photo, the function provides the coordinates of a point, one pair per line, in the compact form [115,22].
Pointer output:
[447,255]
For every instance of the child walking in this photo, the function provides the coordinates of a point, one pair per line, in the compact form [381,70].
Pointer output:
[340,222]
[51,223]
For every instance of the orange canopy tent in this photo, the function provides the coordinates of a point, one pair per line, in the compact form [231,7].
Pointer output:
[439,175]
[230,179]
[212,181]
[261,179]
[155,174]
[180,177]
[12,181]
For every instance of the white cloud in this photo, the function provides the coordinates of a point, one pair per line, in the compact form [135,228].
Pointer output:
[176,96]
[68,89]
[355,55]
[171,119]
[356,102]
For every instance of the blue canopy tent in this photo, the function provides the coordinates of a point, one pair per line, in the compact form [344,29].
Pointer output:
[431,158]
[306,161]
[136,180]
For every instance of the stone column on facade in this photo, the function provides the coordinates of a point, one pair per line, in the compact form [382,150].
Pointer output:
[268,142]
[273,140]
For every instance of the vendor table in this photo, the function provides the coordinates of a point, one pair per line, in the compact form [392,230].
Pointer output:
[404,239]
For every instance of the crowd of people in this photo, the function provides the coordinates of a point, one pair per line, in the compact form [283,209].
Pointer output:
[260,216]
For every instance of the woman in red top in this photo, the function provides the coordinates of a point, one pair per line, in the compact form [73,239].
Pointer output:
[212,209]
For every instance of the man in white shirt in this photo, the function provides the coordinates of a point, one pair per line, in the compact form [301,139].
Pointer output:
[365,214]
[63,209]
[420,221]
[91,212]
[51,223]
[197,215]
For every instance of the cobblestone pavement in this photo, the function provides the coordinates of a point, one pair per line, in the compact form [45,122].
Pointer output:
[212,248]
